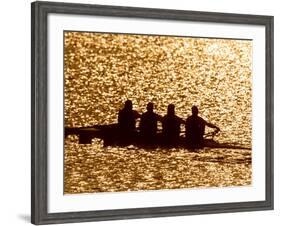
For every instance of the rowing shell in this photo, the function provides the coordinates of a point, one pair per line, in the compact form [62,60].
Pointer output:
[110,136]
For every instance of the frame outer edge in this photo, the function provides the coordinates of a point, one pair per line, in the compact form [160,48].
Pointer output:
[270,112]
[34,214]
[39,145]
[38,114]
[152,13]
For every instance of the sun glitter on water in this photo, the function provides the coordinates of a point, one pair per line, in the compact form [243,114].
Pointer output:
[102,70]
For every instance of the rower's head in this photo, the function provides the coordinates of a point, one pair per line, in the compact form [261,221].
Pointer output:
[149,107]
[171,109]
[194,110]
[128,105]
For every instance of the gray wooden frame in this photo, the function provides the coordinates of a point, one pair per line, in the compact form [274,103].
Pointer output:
[39,105]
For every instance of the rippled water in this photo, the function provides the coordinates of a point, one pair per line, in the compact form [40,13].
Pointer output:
[103,70]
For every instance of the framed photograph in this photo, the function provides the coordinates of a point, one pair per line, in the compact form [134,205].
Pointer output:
[140,112]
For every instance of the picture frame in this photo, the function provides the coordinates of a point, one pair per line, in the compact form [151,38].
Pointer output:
[40,83]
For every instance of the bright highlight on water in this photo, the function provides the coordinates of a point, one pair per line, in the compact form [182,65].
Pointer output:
[102,71]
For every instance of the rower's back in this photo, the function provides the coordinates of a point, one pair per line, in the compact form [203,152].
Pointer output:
[171,126]
[148,125]
[127,121]
[195,129]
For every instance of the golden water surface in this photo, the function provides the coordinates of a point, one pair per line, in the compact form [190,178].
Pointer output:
[102,70]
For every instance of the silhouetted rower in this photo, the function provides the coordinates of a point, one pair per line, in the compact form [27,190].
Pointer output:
[195,129]
[127,121]
[171,126]
[148,124]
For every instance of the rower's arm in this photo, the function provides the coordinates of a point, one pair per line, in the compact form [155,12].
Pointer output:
[180,120]
[159,118]
[137,115]
[212,126]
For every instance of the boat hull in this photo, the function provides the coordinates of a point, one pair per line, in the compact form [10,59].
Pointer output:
[111,137]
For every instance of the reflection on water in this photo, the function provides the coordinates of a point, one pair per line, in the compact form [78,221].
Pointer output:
[91,168]
[103,70]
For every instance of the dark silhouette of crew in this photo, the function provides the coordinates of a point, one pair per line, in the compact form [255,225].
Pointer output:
[148,125]
[127,122]
[195,129]
[171,126]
